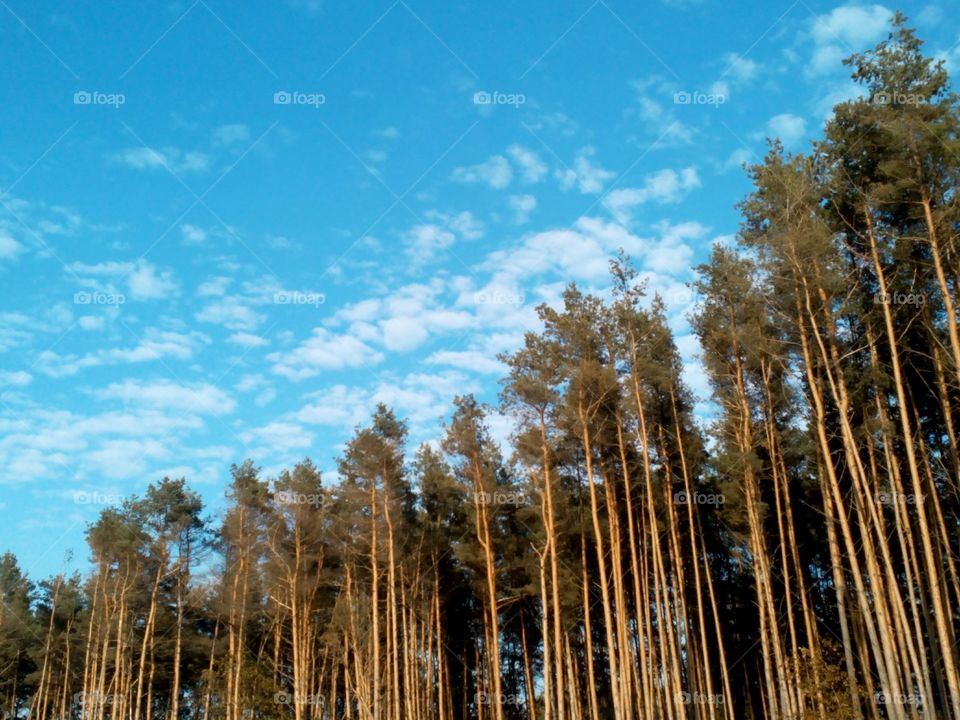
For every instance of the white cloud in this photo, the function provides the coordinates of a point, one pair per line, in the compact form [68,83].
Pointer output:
[853,24]
[929,15]
[231,134]
[19,378]
[247,340]
[405,318]
[265,397]
[581,252]
[154,345]
[834,93]
[14,329]
[214,287]
[472,360]
[167,395]
[42,443]
[192,234]
[404,333]
[656,120]
[843,31]
[788,127]
[720,89]
[9,248]
[142,157]
[146,284]
[192,162]
[495,172]
[742,69]
[533,169]
[278,436]
[250,382]
[672,254]
[424,398]
[426,242]
[664,186]
[125,458]
[104,269]
[337,407]
[233,312]
[363,311]
[556,122]
[522,206]
[144,281]
[737,158]
[408,330]
[323,351]
[91,322]
[589,178]
[466,226]
[464,223]
[420,398]
[175,160]
[279,242]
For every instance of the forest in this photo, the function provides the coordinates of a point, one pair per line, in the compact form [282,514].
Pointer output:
[790,552]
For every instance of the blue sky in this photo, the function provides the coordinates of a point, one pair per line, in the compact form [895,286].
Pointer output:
[228,230]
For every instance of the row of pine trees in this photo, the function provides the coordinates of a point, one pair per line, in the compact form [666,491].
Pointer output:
[793,556]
